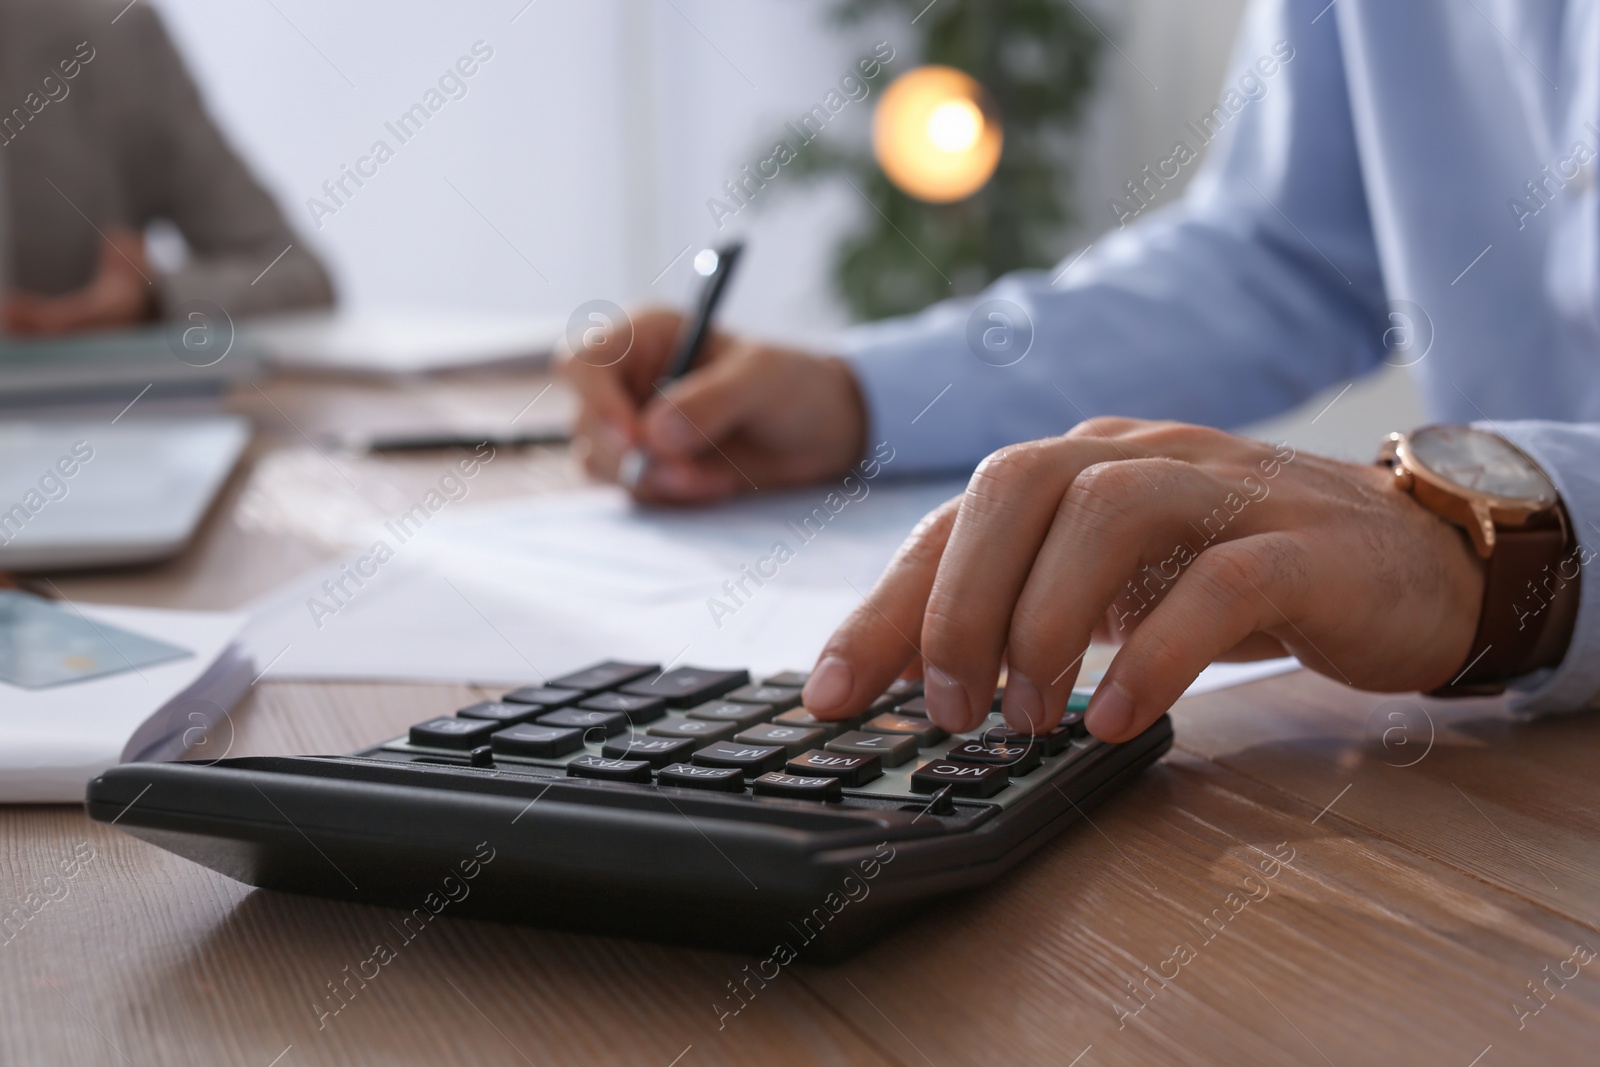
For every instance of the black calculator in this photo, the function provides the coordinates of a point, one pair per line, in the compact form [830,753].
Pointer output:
[689,805]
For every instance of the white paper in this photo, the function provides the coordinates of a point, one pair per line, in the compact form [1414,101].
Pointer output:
[52,741]
[519,592]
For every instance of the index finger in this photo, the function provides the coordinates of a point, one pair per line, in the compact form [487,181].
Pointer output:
[878,639]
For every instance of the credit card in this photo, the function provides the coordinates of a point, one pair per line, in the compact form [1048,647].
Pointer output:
[45,643]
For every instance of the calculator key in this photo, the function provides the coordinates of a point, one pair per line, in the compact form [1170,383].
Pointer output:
[539,742]
[611,722]
[656,751]
[794,739]
[850,770]
[684,687]
[546,696]
[1073,719]
[607,675]
[797,787]
[637,709]
[916,706]
[698,729]
[904,689]
[726,779]
[464,734]
[741,715]
[750,759]
[609,770]
[500,711]
[923,730]
[1049,742]
[893,749]
[1016,757]
[781,697]
[802,717]
[964,779]
[789,679]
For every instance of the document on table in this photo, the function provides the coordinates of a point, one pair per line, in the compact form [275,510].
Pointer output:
[516,592]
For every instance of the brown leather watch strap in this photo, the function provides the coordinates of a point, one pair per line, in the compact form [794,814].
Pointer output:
[1530,601]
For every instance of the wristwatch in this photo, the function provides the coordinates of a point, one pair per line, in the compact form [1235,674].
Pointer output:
[1512,514]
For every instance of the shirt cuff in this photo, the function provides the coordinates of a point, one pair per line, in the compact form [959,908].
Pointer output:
[1570,454]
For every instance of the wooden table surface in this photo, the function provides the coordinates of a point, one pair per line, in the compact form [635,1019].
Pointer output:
[1439,906]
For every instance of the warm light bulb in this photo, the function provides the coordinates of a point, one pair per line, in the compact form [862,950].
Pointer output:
[955,125]
[935,136]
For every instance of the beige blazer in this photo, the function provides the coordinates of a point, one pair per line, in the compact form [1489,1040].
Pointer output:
[100,124]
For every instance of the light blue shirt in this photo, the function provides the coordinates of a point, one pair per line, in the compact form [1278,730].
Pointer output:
[1387,181]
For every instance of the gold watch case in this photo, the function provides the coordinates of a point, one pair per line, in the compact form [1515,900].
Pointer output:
[1475,511]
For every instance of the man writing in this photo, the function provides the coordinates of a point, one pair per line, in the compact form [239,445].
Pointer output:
[1414,153]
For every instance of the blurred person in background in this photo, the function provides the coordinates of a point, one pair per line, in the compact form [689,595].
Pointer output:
[102,132]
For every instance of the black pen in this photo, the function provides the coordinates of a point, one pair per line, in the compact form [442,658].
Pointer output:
[716,266]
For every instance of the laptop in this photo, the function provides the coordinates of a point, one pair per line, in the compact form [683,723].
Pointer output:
[95,493]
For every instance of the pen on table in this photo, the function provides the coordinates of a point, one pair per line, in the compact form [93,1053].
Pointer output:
[435,439]
[716,266]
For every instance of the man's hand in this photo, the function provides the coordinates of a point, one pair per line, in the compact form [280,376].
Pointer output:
[749,416]
[1185,544]
[120,294]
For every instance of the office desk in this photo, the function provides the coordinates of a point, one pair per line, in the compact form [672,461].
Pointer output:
[1445,859]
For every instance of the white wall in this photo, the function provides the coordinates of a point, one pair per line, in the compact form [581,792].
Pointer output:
[592,139]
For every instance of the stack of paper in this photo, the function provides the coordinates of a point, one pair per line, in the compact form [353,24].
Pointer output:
[517,592]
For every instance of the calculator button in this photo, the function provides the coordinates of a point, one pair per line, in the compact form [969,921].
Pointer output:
[684,687]
[464,734]
[500,711]
[750,759]
[637,709]
[1017,757]
[916,706]
[923,730]
[726,779]
[1073,719]
[741,715]
[1049,743]
[546,696]
[699,729]
[607,675]
[609,770]
[539,742]
[892,749]
[802,717]
[788,679]
[796,786]
[964,779]
[781,697]
[904,689]
[850,770]
[611,722]
[794,739]
[656,751]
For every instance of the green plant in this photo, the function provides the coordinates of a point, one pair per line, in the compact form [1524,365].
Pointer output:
[1036,59]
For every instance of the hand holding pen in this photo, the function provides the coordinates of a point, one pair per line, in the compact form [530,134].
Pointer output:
[706,415]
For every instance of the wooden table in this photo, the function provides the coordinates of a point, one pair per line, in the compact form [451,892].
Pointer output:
[1445,859]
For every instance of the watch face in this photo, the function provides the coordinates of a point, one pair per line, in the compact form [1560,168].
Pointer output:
[1481,462]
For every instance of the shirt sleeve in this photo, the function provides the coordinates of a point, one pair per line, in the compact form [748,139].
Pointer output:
[1570,455]
[180,167]
[1260,287]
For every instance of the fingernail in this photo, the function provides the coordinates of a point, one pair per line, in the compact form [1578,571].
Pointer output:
[947,701]
[1110,714]
[616,437]
[668,477]
[829,685]
[1023,704]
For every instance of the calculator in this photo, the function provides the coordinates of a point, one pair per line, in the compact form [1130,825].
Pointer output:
[688,805]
